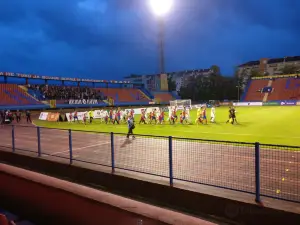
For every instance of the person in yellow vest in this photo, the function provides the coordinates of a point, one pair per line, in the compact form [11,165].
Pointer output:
[198,119]
[91,115]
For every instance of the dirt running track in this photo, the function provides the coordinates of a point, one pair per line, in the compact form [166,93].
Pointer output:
[216,164]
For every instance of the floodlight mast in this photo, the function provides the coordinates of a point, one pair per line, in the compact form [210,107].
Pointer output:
[160,8]
[161,38]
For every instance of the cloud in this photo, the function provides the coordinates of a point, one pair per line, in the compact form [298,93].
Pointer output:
[99,38]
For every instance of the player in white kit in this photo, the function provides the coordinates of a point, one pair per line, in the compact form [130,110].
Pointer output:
[212,114]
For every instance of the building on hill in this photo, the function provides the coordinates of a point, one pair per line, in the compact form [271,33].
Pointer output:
[181,78]
[269,66]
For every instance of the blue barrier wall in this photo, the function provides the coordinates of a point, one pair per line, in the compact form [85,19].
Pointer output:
[24,107]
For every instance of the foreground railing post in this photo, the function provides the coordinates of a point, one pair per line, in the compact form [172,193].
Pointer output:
[171,161]
[39,140]
[257,173]
[70,146]
[112,147]
[13,138]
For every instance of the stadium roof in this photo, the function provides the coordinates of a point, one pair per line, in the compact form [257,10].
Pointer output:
[272,60]
[33,76]
[170,73]
[250,63]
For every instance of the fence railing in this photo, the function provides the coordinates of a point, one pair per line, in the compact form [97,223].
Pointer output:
[259,169]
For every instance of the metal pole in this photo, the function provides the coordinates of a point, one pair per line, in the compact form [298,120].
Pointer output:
[70,146]
[39,141]
[13,138]
[112,152]
[161,45]
[257,173]
[171,161]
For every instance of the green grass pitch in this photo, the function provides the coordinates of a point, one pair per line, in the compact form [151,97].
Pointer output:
[267,125]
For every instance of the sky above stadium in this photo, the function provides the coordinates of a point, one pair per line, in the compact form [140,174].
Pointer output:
[114,38]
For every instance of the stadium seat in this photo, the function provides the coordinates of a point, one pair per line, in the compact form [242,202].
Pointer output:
[283,89]
[254,93]
[11,94]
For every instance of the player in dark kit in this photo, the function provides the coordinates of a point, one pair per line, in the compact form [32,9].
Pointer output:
[28,116]
[2,117]
[232,116]
[229,117]
[18,116]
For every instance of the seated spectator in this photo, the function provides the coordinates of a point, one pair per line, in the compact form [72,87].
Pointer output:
[67,92]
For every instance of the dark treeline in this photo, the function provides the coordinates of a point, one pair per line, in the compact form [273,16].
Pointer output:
[218,87]
[212,87]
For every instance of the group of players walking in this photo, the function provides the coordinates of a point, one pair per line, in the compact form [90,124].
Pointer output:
[7,116]
[154,116]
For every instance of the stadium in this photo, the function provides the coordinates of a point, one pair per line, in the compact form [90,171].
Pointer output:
[187,147]
[258,155]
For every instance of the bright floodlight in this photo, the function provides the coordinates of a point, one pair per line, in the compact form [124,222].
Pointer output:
[161,7]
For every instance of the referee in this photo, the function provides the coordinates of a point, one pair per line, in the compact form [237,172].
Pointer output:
[131,126]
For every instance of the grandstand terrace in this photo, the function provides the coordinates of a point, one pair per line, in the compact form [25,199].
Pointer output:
[12,94]
[273,88]
[34,91]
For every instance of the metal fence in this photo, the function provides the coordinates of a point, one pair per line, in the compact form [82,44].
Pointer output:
[260,169]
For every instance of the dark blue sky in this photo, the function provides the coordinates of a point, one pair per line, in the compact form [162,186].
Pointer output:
[113,38]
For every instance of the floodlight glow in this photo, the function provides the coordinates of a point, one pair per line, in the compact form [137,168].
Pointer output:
[161,7]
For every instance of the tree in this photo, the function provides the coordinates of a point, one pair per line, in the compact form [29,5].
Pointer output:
[241,78]
[210,87]
[171,84]
[189,89]
[255,73]
[215,69]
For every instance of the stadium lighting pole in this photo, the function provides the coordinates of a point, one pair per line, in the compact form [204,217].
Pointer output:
[161,45]
[160,8]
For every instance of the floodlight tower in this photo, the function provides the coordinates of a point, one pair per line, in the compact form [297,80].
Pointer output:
[160,8]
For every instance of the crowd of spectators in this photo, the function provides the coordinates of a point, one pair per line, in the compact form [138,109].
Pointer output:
[67,92]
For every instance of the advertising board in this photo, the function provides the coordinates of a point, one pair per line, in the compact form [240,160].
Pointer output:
[288,103]
[83,101]
[248,104]
[53,117]
[79,115]
[97,114]
[271,103]
[225,103]
[43,116]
